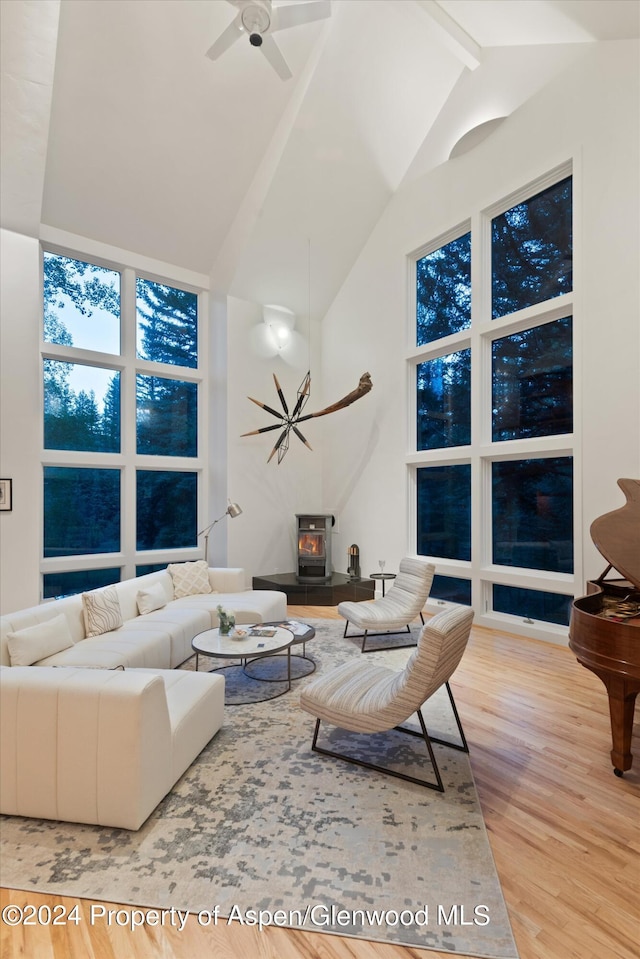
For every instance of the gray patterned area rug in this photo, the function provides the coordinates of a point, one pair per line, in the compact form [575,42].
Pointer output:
[261,829]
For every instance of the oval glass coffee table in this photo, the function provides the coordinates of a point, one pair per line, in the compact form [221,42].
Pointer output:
[261,640]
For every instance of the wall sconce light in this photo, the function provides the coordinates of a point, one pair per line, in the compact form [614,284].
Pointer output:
[232,510]
[275,335]
[474,136]
[279,322]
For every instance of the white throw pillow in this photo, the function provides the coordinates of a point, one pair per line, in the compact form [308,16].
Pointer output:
[102,611]
[190,578]
[30,645]
[150,598]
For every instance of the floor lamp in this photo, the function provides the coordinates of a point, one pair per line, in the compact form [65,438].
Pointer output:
[232,510]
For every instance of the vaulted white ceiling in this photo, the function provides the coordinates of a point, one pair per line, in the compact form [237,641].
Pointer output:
[117,127]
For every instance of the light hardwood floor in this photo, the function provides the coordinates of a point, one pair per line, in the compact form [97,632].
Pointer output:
[563,828]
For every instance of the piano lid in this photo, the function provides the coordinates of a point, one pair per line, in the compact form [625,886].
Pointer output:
[617,534]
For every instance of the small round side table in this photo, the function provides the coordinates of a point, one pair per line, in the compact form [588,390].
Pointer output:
[384,577]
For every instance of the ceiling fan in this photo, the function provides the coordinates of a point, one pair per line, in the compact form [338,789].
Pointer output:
[259,19]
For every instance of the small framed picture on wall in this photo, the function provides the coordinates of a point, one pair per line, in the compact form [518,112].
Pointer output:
[5,494]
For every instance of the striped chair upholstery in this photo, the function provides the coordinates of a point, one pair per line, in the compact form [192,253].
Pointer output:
[394,612]
[371,699]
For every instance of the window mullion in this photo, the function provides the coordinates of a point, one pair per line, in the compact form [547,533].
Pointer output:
[128,420]
[480,396]
[128,316]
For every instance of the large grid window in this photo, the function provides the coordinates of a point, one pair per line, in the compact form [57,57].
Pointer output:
[493,420]
[122,450]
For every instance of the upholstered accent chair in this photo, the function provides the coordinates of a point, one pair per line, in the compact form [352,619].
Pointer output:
[393,613]
[374,699]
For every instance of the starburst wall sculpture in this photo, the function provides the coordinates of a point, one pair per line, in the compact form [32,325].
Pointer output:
[289,421]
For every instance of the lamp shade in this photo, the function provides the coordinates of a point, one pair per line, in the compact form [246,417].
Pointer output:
[232,510]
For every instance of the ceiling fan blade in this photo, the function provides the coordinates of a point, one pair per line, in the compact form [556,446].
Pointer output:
[228,37]
[296,14]
[272,53]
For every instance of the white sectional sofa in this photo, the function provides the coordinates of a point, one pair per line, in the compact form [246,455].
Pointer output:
[158,639]
[100,746]
[103,740]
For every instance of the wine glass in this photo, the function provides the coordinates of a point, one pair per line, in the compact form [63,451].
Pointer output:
[381,563]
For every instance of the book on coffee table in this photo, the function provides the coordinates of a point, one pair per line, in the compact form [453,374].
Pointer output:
[263,632]
[298,629]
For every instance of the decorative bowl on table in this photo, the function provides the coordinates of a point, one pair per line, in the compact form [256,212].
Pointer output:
[238,633]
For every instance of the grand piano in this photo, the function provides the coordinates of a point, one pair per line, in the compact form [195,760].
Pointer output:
[604,632]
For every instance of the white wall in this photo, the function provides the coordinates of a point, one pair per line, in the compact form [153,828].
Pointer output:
[262,540]
[588,114]
[20,432]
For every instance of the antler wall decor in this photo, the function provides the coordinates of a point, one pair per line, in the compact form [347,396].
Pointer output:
[289,421]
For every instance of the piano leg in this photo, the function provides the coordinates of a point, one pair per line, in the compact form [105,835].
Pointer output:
[622,699]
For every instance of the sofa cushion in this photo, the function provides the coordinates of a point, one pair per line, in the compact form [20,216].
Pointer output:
[189,578]
[151,598]
[180,623]
[128,590]
[251,606]
[27,646]
[127,646]
[102,611]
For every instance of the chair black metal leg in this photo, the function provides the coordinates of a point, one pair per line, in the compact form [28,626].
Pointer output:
[463,746]
[422,734]
[437,785]
[392,632]
[315,735]
[386,632]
